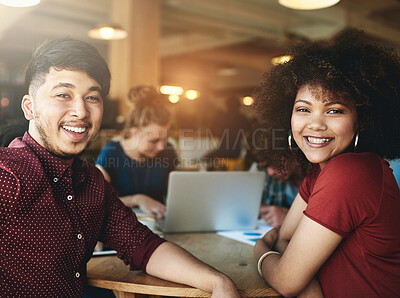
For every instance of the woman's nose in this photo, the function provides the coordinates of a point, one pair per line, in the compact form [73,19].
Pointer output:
[316,122]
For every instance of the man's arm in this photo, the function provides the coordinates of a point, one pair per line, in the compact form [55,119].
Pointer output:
[9,189]
[173,263]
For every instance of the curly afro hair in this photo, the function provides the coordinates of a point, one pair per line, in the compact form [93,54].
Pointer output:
[361,72]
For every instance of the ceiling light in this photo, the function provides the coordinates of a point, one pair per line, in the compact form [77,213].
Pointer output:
[175,90]
[173,98]
[19,3]
[108,32]
[226,72]
[308,4]
[281,59]
[248,100]
[191,94]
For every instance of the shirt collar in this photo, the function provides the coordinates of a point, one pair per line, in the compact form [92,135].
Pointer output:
[53,166]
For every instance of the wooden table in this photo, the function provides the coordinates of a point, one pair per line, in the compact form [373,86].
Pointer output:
[233,258]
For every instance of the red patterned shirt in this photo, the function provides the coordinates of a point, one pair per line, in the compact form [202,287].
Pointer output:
[51,217]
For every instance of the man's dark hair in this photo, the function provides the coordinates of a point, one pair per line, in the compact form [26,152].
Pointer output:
[354,69]
[69,54]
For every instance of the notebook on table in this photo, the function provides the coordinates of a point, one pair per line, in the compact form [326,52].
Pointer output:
[212,201]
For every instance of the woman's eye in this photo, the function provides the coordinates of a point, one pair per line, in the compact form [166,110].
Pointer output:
[303,110]
[335,111]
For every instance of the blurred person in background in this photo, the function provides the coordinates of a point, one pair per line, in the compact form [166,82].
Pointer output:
[232,128]
[138,165]
[280,187]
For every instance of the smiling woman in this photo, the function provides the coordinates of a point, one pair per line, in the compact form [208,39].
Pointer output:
[340,106]
[321,129]
[139,164]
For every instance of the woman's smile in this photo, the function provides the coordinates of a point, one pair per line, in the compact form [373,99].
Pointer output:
[317,142]
[321,129]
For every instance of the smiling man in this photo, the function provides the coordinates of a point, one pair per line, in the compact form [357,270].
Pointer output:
[54,207]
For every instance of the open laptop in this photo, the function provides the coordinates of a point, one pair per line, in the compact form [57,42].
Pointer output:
[212,201]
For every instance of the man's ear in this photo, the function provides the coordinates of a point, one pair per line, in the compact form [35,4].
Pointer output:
[27,107]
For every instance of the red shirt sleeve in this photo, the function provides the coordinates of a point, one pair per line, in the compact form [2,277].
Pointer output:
[8,196]
[343,196]
[307,185]
[133,241]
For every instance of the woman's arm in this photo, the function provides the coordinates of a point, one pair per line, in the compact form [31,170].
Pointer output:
[146,204]
[104,172]
[308,249]
[290,223]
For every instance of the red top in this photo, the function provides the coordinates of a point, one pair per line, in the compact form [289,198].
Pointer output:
[51,217]
[357,197]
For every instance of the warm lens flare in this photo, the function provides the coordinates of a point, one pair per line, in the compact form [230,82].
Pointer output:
[248,100]
[173,98]
[191,94]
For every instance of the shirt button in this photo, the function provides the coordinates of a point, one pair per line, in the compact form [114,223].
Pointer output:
[79,236]
[69,198]
[77,275]
[55,179]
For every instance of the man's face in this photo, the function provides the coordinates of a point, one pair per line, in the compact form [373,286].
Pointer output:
[65,113]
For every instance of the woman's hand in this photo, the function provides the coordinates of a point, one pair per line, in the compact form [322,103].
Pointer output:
[266,243]
[151,206]
[146,204]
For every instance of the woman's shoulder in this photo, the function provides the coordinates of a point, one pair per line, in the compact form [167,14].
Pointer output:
[356,160]
[356,166]
[111,150]
[112,146]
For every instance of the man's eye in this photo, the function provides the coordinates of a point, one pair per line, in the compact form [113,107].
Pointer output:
[93,98]
[63,95]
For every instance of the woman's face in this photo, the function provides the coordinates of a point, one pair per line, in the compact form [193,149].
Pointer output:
[321,127]
[151,140]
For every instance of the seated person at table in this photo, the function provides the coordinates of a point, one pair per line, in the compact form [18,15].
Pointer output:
[340,106]
[54,207]
[139,164]
[280,190]
[280,187]
[232,127]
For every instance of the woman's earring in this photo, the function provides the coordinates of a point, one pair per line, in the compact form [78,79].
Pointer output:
[290,141]
[355,142]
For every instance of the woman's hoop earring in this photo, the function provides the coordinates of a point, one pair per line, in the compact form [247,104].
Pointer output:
[290,141]
[355,142]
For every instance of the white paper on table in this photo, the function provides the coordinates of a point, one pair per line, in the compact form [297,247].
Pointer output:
[248,236]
